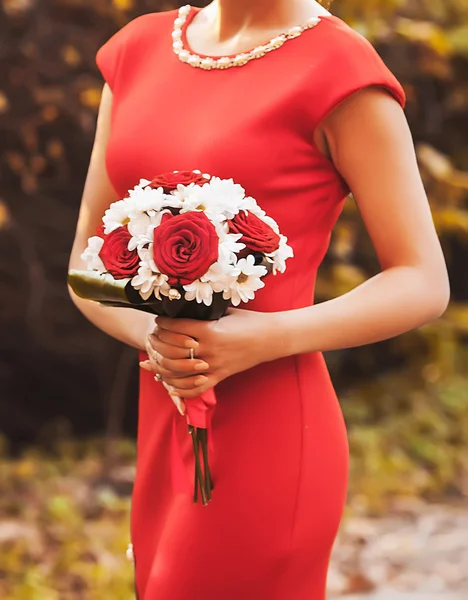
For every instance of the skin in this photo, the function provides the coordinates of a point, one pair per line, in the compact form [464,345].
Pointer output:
[380,167]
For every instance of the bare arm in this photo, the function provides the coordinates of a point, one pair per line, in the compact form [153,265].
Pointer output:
[127,325]
[371,145]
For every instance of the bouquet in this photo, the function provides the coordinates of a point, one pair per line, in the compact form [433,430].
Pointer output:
[188,245]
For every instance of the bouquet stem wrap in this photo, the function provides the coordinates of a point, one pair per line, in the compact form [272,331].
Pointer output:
[198,415]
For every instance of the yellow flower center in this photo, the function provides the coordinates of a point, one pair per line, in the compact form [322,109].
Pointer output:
[201,207]
[126,221]
[242,278]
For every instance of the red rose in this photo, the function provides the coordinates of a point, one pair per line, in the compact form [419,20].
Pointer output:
[170,181]
[185,247]
[257,235]
[117,258]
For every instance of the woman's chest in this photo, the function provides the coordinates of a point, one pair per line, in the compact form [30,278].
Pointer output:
[247,124]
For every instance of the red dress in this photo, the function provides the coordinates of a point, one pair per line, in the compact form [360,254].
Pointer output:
[280,461]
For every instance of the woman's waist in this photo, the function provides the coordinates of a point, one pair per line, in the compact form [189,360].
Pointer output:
[298,375]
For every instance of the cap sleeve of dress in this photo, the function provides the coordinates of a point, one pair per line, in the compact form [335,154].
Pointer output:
[109,56]
[351,64]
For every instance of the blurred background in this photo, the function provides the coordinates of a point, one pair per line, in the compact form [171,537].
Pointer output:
[68,393]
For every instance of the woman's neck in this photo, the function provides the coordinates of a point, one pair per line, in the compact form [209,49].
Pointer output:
[230,18]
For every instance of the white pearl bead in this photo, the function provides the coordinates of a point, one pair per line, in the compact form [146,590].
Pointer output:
[207,63]
[257,52]
[278,40]
[184,55]
[314,21]
[194,60]
[178,45]
[184,9]
[176,34]
[179,22]
[241,59]
[294,32]
[224,61]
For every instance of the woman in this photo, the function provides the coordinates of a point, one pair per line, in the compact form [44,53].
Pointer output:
[299,126]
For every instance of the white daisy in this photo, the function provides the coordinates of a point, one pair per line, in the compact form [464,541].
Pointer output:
[117,215]
[220,199]
[149,280]
[247,282]
[278,257]
[221,274]
[200,291]
[142,226]
[150,199]
[219,278]
[91,254]
[230,246]
[140,200]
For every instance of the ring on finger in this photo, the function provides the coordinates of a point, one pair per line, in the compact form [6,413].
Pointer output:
[158,377]
[191,353]
[154,356]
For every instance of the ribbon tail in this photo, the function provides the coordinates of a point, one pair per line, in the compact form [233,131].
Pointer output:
[199,413]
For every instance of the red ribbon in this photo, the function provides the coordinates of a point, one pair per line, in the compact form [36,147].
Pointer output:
[199,413]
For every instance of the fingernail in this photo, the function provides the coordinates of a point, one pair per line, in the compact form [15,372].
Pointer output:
[191,344]
[145,366]
[202,366]
[200,380]
[180,405]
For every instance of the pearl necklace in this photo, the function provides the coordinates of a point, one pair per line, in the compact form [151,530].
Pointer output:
[225,62]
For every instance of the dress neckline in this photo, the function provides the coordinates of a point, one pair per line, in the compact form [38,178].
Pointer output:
[192,11]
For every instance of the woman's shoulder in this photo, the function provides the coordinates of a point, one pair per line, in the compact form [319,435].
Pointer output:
[340,40]
[340,61]
[125,49]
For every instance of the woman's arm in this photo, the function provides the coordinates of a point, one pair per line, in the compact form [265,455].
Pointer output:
[127,325]
[371,145]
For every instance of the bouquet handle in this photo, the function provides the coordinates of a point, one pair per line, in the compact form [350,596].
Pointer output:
[198,415]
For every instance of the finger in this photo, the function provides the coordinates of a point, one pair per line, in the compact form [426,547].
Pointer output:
[186,383]
[178,401]
[196,391]
[156,369]
[152,355]
[157,344]
[187,327]
[183,366]
[147,365]
[175,339]
[177,365]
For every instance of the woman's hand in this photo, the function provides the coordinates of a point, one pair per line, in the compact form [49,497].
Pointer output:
[240,340]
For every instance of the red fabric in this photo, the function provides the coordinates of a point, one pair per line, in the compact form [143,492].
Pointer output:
[280,464]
